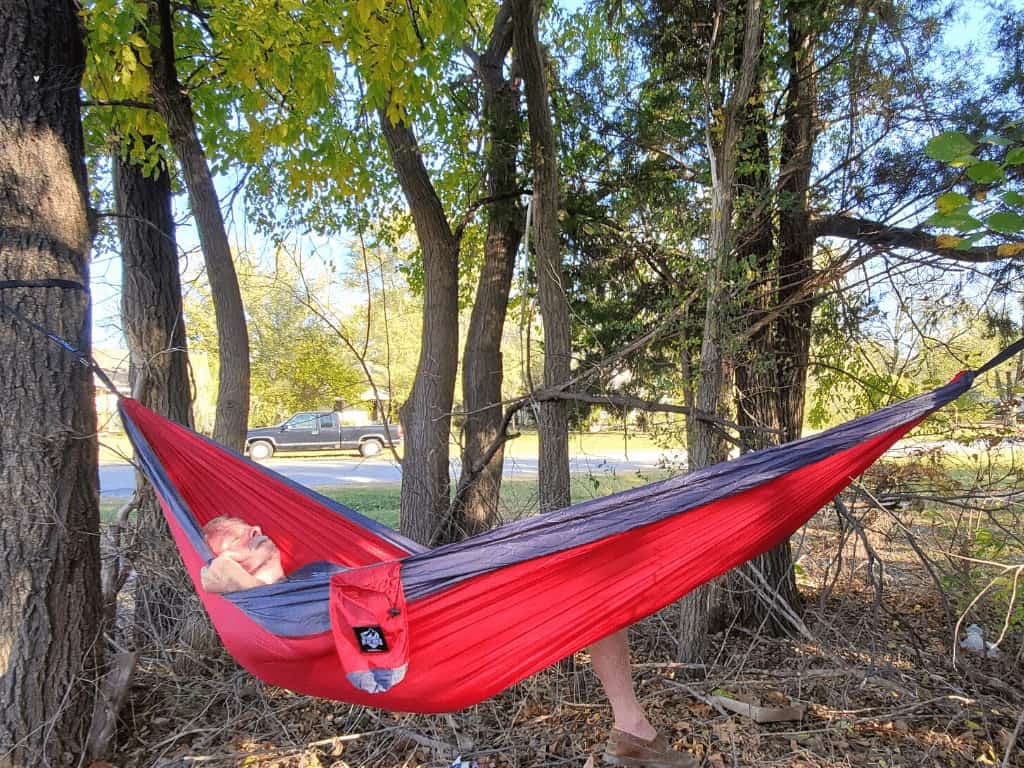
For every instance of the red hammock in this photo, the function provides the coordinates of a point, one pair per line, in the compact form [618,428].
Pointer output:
[462,622]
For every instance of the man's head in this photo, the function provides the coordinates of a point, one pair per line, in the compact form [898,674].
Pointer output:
[245,544]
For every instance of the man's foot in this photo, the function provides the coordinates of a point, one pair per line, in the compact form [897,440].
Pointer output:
[625,749]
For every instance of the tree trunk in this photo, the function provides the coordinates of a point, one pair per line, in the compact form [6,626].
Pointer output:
[553,426]
[50,601]
[426,416]
[151,314]
[475,507]
[796,240]
[699,611]
[756,586]
[151,308]
[175,107]
[791,338]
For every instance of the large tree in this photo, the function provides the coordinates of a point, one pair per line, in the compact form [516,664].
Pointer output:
[553,421]
[426,415]
[148,70]
[475,506]
[175,107]
[640,129]
[50,607]
[772,391]
[732,82]
[153,322]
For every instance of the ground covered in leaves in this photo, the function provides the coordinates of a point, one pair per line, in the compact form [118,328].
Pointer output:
[871,660]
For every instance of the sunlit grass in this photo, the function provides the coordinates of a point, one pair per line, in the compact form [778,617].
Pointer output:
[519,498]
[381,502]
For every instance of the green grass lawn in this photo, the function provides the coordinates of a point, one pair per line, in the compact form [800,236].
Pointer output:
[518,497]
[525,446]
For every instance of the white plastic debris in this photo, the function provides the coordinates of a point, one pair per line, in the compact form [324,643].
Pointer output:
[975,641]
[460,763]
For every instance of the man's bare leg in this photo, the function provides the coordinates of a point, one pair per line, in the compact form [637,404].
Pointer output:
[610,657]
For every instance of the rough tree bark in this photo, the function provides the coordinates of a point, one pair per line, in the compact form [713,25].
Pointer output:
[151,308]
[553,426]
[426,415]
[758,390]
[151,314]
[771,381]
[151,317]
[475,507]
[175,107]
[791,338]
[704,445]
[50,601]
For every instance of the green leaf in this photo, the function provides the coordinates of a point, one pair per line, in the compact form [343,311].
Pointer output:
[964,161]
[950,201]
[968,242]
[949,146]
[1007,222]
[986,172]
[1014,198]
[999,141]
[1015,156]
[959,220]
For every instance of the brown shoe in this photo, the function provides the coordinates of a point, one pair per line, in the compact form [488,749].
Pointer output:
[631,751]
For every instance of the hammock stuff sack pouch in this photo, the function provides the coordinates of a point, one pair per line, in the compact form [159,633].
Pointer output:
[479,615]
[371,633]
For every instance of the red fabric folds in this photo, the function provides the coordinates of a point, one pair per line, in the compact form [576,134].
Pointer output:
[212,484]
[473,640]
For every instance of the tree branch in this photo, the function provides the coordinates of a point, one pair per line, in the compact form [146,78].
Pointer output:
[476,205]
[628,401]
[878,234]
[119,103]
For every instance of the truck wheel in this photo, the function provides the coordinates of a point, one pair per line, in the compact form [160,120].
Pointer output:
[370,448]
[260,450]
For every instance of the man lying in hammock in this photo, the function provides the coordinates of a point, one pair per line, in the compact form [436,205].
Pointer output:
[244,558]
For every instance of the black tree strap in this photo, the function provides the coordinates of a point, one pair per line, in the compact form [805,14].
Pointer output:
[70,285]
[1002,357]
[81,356]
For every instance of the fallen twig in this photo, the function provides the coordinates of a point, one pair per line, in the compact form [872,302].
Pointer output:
[1013,740]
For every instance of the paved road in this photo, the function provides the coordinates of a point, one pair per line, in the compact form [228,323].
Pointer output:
[118,480]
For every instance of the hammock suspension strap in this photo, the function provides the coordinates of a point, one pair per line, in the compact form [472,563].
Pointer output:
[61,342]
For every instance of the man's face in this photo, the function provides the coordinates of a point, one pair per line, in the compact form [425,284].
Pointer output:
[249,547]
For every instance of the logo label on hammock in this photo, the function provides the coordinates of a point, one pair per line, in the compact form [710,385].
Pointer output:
[370,639]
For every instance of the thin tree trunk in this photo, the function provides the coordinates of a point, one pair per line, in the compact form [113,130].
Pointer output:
[426,415]
[475,507]
[553,426]
[699,612]
[151,314]
[50,598]
[175,107]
